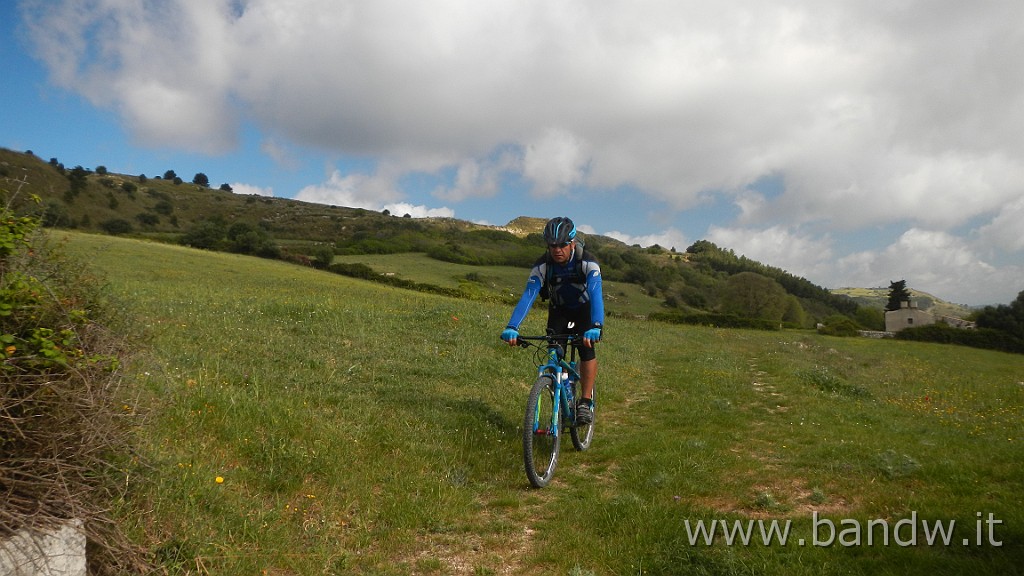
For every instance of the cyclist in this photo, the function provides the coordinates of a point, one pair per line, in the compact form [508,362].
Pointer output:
[570,279]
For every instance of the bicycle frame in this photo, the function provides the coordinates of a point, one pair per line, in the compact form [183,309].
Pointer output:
[556,365]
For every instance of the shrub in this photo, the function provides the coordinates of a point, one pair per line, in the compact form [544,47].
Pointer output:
[323,256]
[839,325]
[205,234]
[354,270]
[64,423]
[147,219]
[117,226]
[986,338]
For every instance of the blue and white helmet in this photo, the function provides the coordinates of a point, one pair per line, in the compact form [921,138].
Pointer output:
[559,230]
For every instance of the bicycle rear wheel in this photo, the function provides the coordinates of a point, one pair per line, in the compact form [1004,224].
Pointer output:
[541,436]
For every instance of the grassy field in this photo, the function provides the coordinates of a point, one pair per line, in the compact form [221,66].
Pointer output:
[299,422]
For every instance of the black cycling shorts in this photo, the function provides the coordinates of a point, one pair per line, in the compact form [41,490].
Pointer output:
[572,321]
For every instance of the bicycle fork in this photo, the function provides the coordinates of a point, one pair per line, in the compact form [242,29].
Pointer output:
[561,404]
[558,404]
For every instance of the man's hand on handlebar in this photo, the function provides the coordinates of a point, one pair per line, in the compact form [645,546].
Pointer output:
[510,335]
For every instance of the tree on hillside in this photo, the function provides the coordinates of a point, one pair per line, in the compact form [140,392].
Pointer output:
[794,313]
[201,179]
[870,318]
[751,295]
[706,255]
[247,239]
[898,294]
[77,178]
[170,175]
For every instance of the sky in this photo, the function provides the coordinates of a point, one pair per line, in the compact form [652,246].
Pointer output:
[854,142]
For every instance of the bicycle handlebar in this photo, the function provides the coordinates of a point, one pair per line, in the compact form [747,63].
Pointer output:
[553,341]
[524,341]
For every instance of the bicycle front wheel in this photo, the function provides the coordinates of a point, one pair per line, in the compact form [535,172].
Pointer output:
[541,437]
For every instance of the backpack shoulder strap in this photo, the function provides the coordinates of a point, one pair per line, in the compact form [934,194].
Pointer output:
[578,263]
[545,291]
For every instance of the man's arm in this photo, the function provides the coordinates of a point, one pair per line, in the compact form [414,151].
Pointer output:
[526,301]
[596,291]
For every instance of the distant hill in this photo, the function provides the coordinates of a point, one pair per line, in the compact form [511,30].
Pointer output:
[879,297]
[525,225]
[185,209]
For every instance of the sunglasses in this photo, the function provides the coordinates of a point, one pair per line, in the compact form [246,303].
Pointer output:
[559,245]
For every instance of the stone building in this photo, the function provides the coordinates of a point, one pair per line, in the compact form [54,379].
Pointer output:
[908,316]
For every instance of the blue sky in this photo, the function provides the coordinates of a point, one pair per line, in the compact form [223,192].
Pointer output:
[852,143]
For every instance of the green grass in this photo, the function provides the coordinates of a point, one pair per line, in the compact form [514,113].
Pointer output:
[368,430]
[621,299]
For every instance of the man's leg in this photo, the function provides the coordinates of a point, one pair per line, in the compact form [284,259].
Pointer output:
[585,404]
[588,375]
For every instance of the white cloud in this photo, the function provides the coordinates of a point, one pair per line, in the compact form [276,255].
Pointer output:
[403,208]
[802,255]
[352,190]
[279,153]
[1006,230]
[240,188]
[479,178]
[376,192]
[668,239]
[167,70]
[556,160]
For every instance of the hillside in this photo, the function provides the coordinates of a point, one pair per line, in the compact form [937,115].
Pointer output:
[157,208]
[176,211]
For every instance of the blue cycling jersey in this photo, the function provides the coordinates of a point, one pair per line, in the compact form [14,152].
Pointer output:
[566,291]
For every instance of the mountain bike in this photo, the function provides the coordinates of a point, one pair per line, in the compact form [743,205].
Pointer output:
[551,406]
